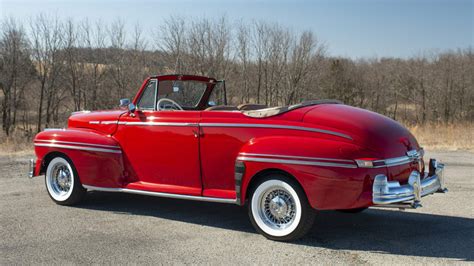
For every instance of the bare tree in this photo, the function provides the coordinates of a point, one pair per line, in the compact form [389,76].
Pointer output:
[68,65]
[16,69]
[74,64]
[94,55]
[117,59]
[244,57]
[47,42]
[171,39]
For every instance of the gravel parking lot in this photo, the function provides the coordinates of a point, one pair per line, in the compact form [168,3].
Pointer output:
[123,228]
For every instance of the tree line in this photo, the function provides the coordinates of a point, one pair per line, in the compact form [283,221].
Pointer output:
[51,67]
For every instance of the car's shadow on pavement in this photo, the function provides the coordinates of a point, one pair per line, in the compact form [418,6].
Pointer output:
[375,230]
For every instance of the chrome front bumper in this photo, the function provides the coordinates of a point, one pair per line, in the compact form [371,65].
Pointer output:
[392,194]
[32,167]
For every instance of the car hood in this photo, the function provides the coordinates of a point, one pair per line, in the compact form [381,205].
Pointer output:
[103,121]
[370,130]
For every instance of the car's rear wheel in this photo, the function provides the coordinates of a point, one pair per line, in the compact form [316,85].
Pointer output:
[279,209]
[62,182]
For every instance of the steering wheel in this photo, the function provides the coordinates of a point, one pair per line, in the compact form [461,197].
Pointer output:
[174,105]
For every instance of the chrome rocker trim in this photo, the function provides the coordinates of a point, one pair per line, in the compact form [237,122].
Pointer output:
[161,194]
[392,194]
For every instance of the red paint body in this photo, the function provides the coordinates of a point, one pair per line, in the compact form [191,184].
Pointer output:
[199,160]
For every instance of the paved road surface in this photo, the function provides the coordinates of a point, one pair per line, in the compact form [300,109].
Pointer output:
[123,228]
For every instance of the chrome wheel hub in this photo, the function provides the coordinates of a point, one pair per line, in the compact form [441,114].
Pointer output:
[277,208]
[61,178]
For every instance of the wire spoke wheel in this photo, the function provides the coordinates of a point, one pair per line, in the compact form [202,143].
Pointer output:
[61,180]
[275,208]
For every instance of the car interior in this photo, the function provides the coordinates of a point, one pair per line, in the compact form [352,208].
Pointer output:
[189,94]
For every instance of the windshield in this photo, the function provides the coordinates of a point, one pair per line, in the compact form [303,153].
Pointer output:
[187,93]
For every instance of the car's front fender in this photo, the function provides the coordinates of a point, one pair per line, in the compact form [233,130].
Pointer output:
[97,157]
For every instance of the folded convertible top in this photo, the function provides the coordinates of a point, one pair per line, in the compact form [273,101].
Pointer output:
[267,112]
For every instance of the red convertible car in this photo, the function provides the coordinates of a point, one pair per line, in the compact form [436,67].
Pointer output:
[179,139]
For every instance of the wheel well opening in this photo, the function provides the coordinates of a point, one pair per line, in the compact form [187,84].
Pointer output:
[48,159]
[264,173]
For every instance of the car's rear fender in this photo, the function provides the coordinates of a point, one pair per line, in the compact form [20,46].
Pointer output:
[325,169]
[96,156]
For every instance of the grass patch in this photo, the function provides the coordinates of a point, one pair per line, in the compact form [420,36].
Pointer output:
[437,136]
[16,144]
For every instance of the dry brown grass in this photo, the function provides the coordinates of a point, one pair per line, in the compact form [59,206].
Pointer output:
[445,136]
[15,145]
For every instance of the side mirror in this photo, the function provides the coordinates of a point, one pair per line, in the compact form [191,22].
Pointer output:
[131,108]
[211,103]
[124,102]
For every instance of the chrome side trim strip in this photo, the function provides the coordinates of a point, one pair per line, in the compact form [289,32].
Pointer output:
[294,157]
[77,147]
[297,162]
[395,161]
[94,122]
[161,194]
[77,143]
[175,124]
[317,130]
[109,122]
[412,156]
[398,160]
[183,124]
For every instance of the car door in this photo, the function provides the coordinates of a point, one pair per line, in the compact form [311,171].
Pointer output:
[161,147]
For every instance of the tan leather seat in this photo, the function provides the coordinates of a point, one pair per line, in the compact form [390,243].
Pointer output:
[222,108]
[251,106]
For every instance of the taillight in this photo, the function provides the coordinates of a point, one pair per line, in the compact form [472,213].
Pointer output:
[370,162]
[365,163]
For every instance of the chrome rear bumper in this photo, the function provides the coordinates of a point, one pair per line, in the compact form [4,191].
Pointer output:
[392,194]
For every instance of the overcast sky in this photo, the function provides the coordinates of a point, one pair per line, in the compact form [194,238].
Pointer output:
[365,28]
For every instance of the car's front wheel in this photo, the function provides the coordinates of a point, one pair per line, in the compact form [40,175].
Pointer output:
[279,209]
[62,182]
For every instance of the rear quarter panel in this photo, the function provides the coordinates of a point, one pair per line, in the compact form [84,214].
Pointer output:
[327,187]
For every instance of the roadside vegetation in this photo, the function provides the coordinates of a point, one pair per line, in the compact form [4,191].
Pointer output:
[51,67]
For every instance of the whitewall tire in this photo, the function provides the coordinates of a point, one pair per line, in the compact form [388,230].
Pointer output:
[279,209]
[62,182]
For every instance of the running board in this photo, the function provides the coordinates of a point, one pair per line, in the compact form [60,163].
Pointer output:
[161,194]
